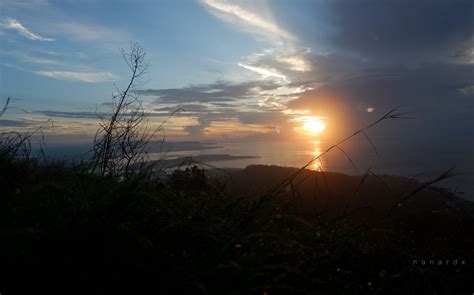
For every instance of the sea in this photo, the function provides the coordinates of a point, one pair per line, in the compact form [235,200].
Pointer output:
[387,157]
[357,157]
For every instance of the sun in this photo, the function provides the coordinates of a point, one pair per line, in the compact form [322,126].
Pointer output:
[314,125]
[311,125]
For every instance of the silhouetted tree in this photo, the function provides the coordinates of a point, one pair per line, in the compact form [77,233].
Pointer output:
[121,140]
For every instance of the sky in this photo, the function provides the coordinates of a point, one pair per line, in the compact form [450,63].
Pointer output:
[245,70]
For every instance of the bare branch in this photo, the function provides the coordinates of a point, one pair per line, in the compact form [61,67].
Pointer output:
[5,106]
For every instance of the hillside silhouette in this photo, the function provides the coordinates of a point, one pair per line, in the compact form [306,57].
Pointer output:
[331,192]
[65,231]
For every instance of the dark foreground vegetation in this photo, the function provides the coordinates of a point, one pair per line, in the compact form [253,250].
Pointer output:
[67,231]
[111,225]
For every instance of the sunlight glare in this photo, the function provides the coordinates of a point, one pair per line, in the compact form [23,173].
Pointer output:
[311,125]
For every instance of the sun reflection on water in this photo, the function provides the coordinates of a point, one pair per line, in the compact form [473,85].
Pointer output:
[316,151]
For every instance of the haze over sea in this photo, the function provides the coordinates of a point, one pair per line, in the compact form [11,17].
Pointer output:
[393,159]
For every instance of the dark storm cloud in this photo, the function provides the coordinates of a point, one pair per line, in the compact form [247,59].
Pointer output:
[423,29]
[219,91]
[61,114]
[438,93]
[426,85]
[16,123]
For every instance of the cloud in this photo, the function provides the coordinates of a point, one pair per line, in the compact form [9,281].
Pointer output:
[88,32]
[39,60]
[431,90]
[468,90]
[398,30]
[14,24]
[394,85]
[282,63]
[301,66]
[60,24]
[262,117]
[345,89]
[219,91]
[251,107]
[264,71]
[161,112]
[89,77]
[294,60]
[32,59]
[249,20]
[200,128]
[65,114]
[272,63]
[189,108]
[16,123]
[258,104]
